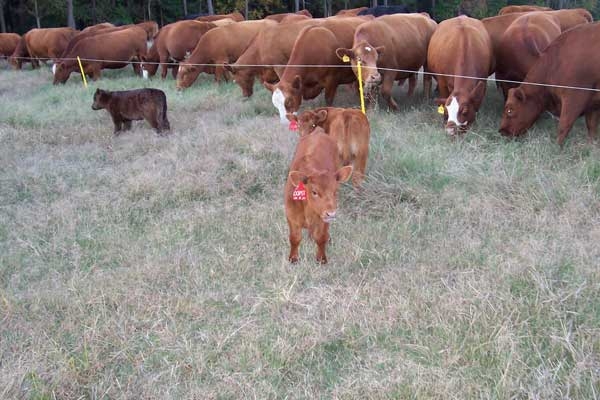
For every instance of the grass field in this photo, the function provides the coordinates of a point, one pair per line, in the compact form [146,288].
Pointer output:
[147,267]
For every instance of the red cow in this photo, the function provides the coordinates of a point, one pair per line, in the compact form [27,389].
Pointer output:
[396,41]
[8,43]
[236,16]
[568,61]
[280,17]
[351,130]
[516,9]
[44,44]
[317,167]
[460,47]
[351,12]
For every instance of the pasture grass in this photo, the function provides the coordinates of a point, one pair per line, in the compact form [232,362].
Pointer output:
[155,267]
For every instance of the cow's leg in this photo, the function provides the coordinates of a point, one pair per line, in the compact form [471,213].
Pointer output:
[360,164]
[137,68]
[320,234]
[174,70]
[386,90]
[330,90]
[570,109]
[295,238]
[118,124]
[443,87]
[412,84]
[592,118]
[427,78]
[164,69]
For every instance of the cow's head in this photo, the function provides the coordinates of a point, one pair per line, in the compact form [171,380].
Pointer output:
[460,108]
[520,112]
[148,65]
[287,97]
[101,99]
[368,56]
[61,72]
[308,121]
[321,189]
[244,77]
[187,75]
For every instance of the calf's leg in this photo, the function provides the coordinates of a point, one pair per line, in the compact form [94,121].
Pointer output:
[295,238]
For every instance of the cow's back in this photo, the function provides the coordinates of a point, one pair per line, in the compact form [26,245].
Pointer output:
[111,45]
[522,8]
[316,152]
[48,42]
[8,43]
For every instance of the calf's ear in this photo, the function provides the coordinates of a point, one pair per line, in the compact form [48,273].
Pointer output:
[296,177]
[321,116]
[291,117]
[343,174]
[341,52]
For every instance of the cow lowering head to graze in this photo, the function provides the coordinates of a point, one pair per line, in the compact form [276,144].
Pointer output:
[131,105]
[349,127]
[460,55]
[317,168]
[391,42]
[566,69]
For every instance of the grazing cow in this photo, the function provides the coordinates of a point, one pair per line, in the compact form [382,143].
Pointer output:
[568,61]
[236,16]
[378,11]
[310,193]
[221,45]
[391,42]
[351,130]
[134,105]
[272,46]
[516,9]
[8,44]
[44,44]
[316,45]
[521,45]
[460,47]
[172,43]
[281,16]
[351,12]
[111,50]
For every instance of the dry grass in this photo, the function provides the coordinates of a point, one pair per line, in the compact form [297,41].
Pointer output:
[155,268]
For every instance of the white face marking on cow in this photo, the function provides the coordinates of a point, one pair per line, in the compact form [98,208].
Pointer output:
[453,112]
[278,100]
[367,48]
[53,69]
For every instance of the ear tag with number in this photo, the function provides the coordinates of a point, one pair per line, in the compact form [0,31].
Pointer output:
[345,58]
[441,109]
[299,192]
[293,125]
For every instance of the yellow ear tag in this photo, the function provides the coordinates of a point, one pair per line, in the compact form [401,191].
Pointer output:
[345,58]
[441,109]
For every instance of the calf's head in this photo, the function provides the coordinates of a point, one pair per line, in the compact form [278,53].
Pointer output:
[308,121]
[287,97]
[460,108]
[520,112]
[101,99]
[368,56]
[321,190]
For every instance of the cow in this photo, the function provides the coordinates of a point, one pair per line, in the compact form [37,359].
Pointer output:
[526,8]
[272,46]
[281,16]
[221,45]
[310,193]
[567,61]
[351,130]
[521,45]
[42,44]
[351,12]
[236,16]
[151,29]
[390,42]
[460,48]
[111,50]
[378,11]
[132,105]
[8,44]
[172,44]
[316,45]
[21,55]
[97,27]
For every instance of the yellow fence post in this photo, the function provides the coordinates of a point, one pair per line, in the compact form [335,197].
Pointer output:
[82,73]
[360,87]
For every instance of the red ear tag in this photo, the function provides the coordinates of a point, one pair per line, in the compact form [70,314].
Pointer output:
[293,125]
[299,192]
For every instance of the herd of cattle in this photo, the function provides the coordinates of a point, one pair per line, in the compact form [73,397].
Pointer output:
[297,57]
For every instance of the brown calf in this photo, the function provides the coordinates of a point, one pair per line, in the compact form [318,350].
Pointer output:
[129,105]
[316,168]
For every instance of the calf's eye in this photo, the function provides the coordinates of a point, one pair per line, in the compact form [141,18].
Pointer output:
[315,194]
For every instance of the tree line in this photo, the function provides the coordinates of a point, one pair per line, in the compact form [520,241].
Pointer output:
[22,15]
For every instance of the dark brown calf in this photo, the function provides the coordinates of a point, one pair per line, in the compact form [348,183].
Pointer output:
[128,105]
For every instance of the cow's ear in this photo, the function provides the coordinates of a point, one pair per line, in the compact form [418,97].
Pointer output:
[343,174]
[291,117]
[296,177]
[520,94]
[380,50]
[478,92]
[297,83]
[270,86]
[321,116]
[439,101]
[341,53]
